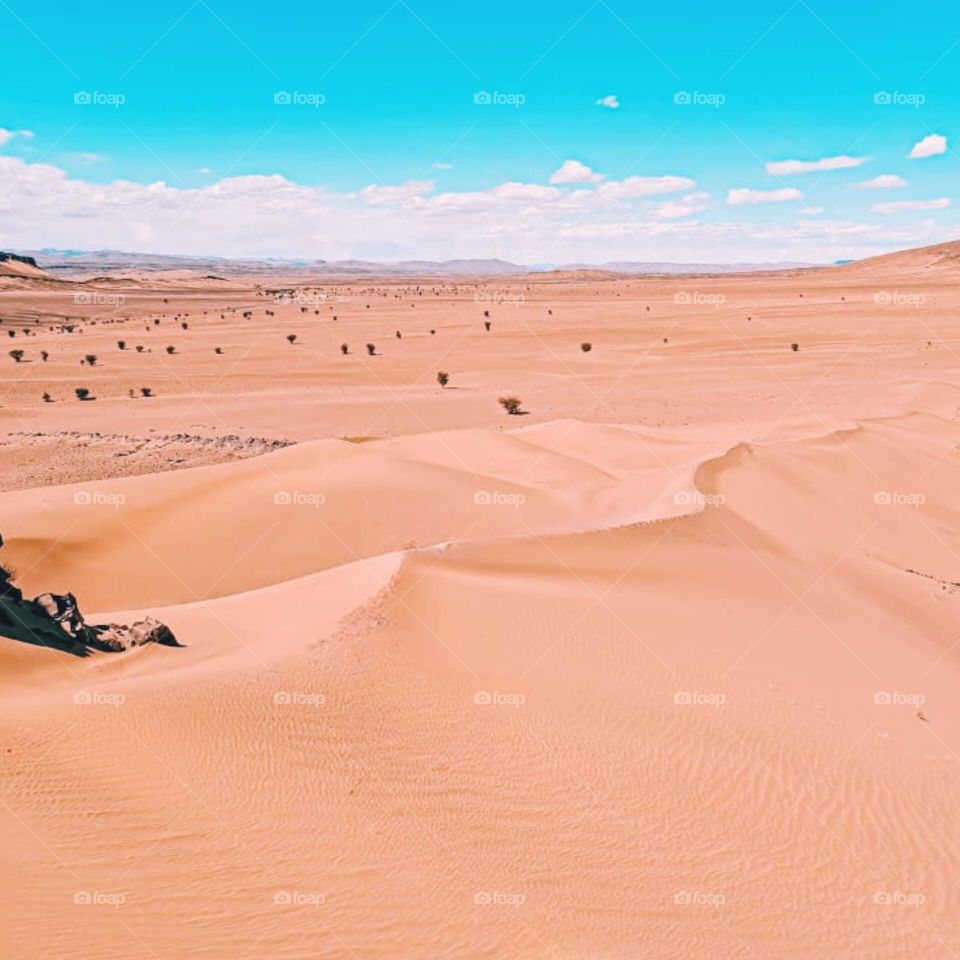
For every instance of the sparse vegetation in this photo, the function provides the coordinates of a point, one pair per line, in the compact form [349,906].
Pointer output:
[586,346]
[344,348]
[90,359]
[218,349]
[122,344]
[511,405]
[372,349]
[146,392]
[487,324]
[443,378]
[44,356]
[16,355]
[82,393]
[794,347]
[291,338]
[171,350]
[47,398]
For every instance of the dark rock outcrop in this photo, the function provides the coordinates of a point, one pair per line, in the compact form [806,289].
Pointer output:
[54,620]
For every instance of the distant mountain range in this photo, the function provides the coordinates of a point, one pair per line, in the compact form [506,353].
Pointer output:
[77,263]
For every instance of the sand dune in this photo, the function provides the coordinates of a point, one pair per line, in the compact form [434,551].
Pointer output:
[673,678]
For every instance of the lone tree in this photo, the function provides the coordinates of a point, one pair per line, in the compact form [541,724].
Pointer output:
[344,348]
[372,349]
[146,391]
[47,398]
[122,344]
[291,338]
[17,355]
[511,405]
[91,359]
[218,349]
[82,393]
[443,378]
[171,350]
[586,346]
[487,324]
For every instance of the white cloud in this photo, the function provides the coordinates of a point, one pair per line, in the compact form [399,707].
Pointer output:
[886,181]
[612,102]
[739,196]
[396,194]
[440,165]
[573,171]
[636,187]
[811,211]
[928,147]
[683,207]
[271,216]
[789,167]
[941,203]
[7,135]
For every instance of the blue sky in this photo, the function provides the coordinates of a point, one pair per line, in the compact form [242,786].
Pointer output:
[184,94]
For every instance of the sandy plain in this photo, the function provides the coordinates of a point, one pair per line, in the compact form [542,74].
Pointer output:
[666,667]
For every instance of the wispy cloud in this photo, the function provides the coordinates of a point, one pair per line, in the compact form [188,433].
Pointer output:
[741,196]
[790,167]
[886,181]
[612,102]
[941,203]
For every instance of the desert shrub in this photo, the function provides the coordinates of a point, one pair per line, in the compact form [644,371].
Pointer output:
[122,344]
[146,392]
[487,324]
[171,350]
[372,349]
[47,398]
[16,355]
[586,346]
[443,378]
[90,359]
[511,405]
[291,338]
[44,356]
[344,348]
[795,346]
[82,393]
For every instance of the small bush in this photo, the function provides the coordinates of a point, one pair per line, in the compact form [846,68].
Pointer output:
[372,349]
[795,346]
[443,378]
[291,338]
[487,324]
[82,393]
[146,392]
[171,350]
[47,398]
[16,355]
[586,346]
[90,359]
[511,405]
[344,348]
[44,356]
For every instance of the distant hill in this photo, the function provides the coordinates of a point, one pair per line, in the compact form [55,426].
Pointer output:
[106,263]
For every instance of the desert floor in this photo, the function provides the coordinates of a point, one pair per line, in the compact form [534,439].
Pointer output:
[667,667]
